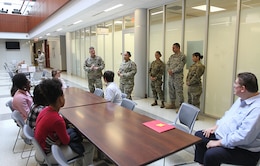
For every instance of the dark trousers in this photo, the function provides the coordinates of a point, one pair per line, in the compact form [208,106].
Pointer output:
[217,155]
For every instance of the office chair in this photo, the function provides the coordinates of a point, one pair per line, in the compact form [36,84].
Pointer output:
[186,117]
[99,92]
[10,105]
[40,155]
[16,116]
[127,103]
[58,155]
[29,134]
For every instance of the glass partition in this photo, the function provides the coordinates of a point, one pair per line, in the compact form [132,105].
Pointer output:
[195,28]
[173,34]
[156,38]
[249,35]
[220,58]
[117,46]
[108,51]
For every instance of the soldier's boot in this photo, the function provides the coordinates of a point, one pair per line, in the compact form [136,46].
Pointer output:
[162,106]
[170,106]
[155,103]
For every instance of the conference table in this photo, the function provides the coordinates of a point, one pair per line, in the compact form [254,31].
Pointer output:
[76,97]
[120,134]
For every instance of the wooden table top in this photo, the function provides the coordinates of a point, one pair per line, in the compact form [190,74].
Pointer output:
[120,134]
[75,97]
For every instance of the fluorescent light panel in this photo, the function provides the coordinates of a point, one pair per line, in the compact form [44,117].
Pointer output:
[77,22]
[212,8]
[59,29]
[155,13]
[114,7]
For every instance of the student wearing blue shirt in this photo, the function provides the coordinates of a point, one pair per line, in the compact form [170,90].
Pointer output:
[235,139]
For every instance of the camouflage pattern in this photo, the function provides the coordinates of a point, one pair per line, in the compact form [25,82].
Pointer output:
[193,81]
[176,64]
[128,70]
[94,76]
[157,70]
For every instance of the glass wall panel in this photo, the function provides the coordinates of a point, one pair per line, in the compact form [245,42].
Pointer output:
[77,51]
[93,37]
[100,50]
[220,58]
[117,46]
[249,38]
[195,28]
[109,58]
[87,45]
[82,52]
[173,34]
[156,37]
[73,53]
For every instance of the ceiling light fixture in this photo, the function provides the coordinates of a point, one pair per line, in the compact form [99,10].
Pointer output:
[59,29]
[155,13]
[77,22]
[114,7]
[212,8]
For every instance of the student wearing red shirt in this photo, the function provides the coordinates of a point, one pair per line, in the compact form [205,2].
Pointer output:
[50,125]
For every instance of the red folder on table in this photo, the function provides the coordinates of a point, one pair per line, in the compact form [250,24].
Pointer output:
[158,126]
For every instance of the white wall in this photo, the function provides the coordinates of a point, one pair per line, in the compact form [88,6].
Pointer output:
[17,55]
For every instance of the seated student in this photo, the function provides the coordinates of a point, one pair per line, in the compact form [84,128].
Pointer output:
[22,100]
[39,102]
[51,128]
[112,92]
[235,139]
[56,74]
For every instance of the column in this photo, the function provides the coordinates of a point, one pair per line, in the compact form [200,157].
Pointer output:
[140,45]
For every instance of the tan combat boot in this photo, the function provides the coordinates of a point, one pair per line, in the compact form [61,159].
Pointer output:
[162,106]
[171,106]
[155,103]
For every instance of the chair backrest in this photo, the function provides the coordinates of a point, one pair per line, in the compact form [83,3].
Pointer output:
[28,133]
[16,116]
[127,103]
[40,153]
[186,117]
[10,105]
[99,92]
[58,155]
[123,95]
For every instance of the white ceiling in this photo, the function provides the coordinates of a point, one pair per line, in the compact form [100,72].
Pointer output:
[91,12]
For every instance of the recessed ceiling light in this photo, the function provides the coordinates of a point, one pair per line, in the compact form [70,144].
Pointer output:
[157,13]
[47,34]
[212,8]
[59,29]
[77,22]
[114,7]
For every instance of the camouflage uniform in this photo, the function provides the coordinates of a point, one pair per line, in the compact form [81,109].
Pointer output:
[193,81]
[176,64]
[128,71]
[94,76]
[157,70]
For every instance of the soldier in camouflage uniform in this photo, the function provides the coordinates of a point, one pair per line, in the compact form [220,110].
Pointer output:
[94,66]
[193,80]
[175,67]
[126,73]
[156,73]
